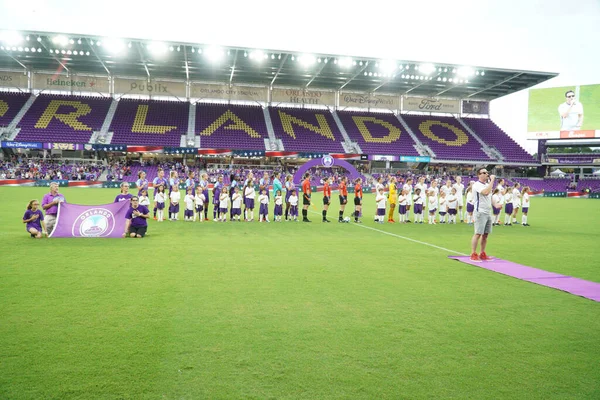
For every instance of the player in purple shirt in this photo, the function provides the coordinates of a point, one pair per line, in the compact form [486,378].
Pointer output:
[173,180]
[156,182]
[190,182]
[124,195]
[142,182]
[204,185]
[216,192]
[34,218]
[136,224]
[50,205]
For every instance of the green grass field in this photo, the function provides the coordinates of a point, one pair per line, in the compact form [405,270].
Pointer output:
[296,311]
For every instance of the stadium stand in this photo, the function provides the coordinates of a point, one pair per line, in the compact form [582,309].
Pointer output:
[67,119]
[306,130]
[231,126]
[150,123]
[493,136]
[547,184]
[10,104]
[446,137]
[377,133]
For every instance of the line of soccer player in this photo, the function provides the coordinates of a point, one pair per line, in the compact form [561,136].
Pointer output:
[237,202]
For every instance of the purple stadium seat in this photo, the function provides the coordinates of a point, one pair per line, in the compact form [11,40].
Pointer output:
[492,135]
[10,104]
[66,119]
[150,122]
[223,126]
[306,130]
[446,137]
[378,133]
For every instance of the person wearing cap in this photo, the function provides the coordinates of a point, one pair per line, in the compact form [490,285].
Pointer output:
[50,203]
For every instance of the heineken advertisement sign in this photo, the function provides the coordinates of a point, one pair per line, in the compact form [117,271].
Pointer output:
[555,194]
[74,83]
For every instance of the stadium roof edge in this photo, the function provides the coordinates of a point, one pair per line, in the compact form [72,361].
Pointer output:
[97,55]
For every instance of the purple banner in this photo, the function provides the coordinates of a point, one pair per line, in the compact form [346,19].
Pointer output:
[63,146]
[103,221]
[475,107]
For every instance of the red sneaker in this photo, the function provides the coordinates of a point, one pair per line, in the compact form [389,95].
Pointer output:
[391,220]
[156,219]
[475,257]
[484,257]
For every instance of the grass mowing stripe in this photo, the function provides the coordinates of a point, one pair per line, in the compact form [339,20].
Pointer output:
[406,238]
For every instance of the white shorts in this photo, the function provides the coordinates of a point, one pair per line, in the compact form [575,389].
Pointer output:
[460,201]
[50,221]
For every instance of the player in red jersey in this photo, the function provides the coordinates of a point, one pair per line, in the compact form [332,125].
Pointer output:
[305,197]
[358,195]
[343,190]
[326,198]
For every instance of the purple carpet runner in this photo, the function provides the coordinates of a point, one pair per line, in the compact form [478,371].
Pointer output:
[576,286]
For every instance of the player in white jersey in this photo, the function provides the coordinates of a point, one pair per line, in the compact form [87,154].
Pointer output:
[223,205]
[418,206]
[452,203]
[447,187]
[496,206]
[508,206]
[516,199]
[378,185]
[525,204]
[571,113]
[408,187]
[380,199]
[432,202]
[199,201]
[442,206]
[470,203]
[460,189]
[188,200]
[422,186]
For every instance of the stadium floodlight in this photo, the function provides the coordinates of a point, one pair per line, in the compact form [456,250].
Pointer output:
[11,38]
[444,79]
[71,41]
[26,49]
[178,48]
[129,44]
[482,73]
[81,53]
[69,52]
[39,39]
[78,41]
[387,66]
[114,46]
[171,48]
[87,53]
[60,40]
[465,71]
[346,62]
[157,48]
[427,68]
[256,55]
[214,54]
[307,60]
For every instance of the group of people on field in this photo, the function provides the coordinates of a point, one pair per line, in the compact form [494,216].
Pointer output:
[237,201]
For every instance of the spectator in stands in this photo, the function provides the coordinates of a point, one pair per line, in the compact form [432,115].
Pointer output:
[50,204]
[482,217]
[571,113]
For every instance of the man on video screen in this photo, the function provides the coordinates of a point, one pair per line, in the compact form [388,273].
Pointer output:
[571,113]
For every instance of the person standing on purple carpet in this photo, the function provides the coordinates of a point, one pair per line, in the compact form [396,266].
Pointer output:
[50,205]
[482,216]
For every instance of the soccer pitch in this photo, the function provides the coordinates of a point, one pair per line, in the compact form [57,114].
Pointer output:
[296,310]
